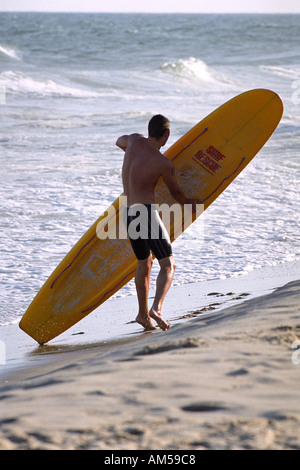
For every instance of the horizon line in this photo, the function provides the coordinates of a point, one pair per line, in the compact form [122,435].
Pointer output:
[158,12]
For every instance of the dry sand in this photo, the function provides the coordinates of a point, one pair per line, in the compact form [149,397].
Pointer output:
[226,380]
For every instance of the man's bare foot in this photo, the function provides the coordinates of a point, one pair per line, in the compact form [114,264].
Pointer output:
[157,316]
[145,321]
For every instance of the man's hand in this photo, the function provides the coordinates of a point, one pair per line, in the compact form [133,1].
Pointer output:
[170,180]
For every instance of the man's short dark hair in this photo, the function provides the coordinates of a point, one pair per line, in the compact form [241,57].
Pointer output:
[158,125]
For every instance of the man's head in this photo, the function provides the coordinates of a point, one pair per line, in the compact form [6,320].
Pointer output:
[159,128]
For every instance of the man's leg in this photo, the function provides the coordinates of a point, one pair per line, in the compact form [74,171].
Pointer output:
[142,281]
[163,284]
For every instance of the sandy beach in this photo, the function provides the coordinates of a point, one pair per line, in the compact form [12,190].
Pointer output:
[223,380]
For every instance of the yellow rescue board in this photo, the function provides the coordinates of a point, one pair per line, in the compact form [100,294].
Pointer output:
[207,159]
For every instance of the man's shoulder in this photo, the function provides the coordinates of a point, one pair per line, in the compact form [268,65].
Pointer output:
[166,161]
[162,163]
[135,136]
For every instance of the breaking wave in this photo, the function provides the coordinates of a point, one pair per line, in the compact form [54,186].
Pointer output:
[193,68]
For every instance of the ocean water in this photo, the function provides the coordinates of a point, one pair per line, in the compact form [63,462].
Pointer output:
[70,84]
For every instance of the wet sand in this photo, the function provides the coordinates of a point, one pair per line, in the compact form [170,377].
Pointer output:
[224,380]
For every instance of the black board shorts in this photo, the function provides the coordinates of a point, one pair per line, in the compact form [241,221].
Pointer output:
[147,232]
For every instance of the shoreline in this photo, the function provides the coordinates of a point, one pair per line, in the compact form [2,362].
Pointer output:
[103,328]
[225,380]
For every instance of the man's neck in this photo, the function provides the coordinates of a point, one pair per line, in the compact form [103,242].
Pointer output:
[154,142]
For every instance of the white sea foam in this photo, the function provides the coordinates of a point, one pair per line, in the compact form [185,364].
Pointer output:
[289,72]
[9,52]
[21,83]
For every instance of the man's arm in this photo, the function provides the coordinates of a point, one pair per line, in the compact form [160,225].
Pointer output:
[170,180]
[123,141]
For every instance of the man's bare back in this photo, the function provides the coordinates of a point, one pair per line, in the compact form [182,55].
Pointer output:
[142,166]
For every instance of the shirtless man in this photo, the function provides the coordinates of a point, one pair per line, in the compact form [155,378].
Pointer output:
[143,165]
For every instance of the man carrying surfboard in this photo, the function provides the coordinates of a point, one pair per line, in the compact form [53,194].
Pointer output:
[142,166]
[209,157]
